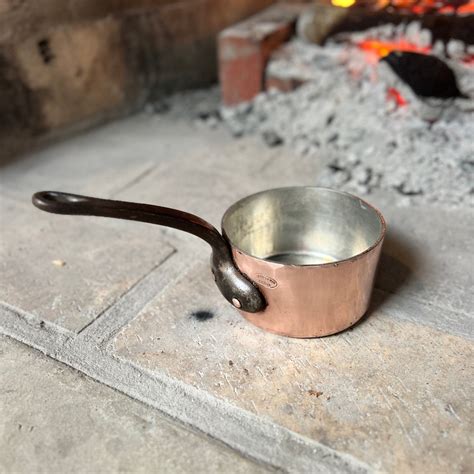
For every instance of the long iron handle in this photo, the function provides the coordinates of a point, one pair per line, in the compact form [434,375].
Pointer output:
[234,286]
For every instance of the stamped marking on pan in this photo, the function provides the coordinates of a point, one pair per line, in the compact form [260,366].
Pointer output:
[266,281]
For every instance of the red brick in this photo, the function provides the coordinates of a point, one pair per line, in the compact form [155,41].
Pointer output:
[244,50]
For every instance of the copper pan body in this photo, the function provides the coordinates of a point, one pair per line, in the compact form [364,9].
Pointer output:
[297,261]
[312,252]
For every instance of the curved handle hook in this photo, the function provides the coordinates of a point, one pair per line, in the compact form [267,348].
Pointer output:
[234,286]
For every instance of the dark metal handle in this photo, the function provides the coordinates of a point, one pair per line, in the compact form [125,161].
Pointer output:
[234,286]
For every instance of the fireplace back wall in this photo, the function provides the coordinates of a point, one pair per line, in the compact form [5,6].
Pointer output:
[66,65]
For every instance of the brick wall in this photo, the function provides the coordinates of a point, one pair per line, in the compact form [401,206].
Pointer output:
[66,64]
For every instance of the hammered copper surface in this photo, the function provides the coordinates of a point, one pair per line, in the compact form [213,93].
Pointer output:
[313,252]
[311,301]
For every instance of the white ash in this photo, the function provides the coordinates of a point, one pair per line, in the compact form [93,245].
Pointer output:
[201,105]
[368,143]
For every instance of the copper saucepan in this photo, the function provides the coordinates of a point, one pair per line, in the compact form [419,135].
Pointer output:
[297,261]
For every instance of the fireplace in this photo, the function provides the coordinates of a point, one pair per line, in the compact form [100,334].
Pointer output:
[380,93]
[446,20]
[426,43]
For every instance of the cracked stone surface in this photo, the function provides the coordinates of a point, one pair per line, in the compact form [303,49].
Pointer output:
[134,306]
[69,423]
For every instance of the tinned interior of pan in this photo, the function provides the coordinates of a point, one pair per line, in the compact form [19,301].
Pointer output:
[302,225]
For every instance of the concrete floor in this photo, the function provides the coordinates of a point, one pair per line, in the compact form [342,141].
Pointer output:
[217,395]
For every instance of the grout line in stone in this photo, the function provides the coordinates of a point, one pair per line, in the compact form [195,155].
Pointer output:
[252,436]
[267,163]
[127,308]
[184,426]
[33,331]
[128,305]
[139,177]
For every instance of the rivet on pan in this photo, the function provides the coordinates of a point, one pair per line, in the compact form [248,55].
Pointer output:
[236,302]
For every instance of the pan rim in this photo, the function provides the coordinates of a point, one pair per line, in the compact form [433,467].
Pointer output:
[378,241]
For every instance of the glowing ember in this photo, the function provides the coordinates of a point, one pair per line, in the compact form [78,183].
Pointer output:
[466,9]
[382,48]
[418,7]
[394,94]
[469,59]
[343,3]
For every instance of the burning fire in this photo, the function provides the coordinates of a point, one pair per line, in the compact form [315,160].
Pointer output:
[343,3]
[382,48]
[377,49]
[419,7]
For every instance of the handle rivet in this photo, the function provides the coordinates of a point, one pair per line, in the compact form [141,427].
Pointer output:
[236,303]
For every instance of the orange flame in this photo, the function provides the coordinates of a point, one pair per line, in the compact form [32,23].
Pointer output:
[418,7]
[383,48]
[466,9]
[343,3]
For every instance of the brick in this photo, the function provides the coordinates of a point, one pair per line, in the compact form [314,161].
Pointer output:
[244,49]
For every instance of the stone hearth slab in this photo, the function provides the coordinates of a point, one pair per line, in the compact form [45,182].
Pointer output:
[70,423]
[395,386]
[425,256]
[105,160]
[213,177]
[432,268]
[389,382]
[383,392]
[68,270]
